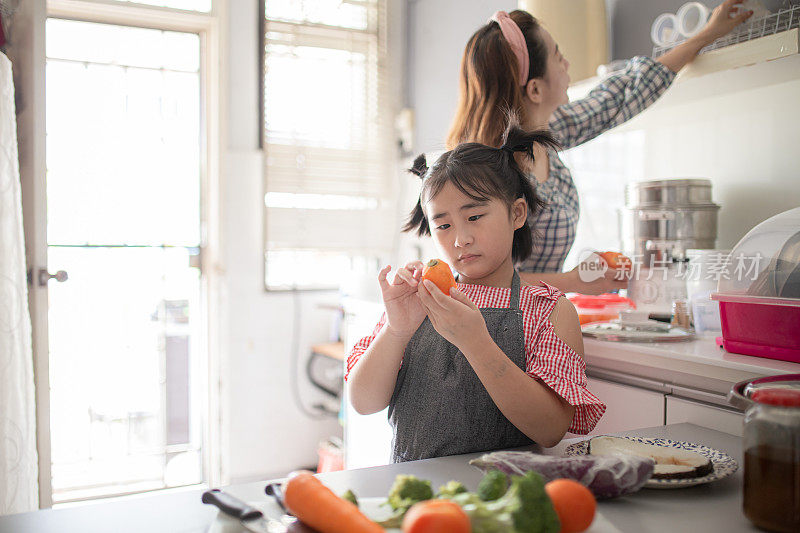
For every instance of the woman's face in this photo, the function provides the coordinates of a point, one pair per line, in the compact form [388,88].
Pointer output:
[556,78]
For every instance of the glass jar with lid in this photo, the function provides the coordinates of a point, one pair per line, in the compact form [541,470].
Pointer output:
[771,446]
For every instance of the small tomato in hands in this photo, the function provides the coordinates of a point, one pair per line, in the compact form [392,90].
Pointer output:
[616,260]
[439,273]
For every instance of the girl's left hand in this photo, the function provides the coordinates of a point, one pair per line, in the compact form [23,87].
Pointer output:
[455,317]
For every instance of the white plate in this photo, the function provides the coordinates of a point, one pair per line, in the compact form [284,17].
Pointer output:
[724,465]
[370,506]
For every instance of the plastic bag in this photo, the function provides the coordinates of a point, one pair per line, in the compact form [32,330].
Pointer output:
[607,476]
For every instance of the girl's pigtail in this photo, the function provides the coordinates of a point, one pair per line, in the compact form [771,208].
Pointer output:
[416,220]
[515,139]
[419,167]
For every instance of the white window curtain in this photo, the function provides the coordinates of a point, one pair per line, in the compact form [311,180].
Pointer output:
[329,158]
[18,462]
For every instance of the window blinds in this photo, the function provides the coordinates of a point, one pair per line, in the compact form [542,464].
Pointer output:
[327,128]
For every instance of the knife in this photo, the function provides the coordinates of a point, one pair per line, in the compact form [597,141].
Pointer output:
[250,517]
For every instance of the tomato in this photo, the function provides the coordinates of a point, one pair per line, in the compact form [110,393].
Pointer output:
[616,260]
[438,272]
[436,516]
[574,504]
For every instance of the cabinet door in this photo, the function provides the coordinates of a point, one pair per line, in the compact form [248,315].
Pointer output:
[681,410]
[367,438]
[627,407]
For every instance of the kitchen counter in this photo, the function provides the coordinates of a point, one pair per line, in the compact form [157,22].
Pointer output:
[697,364]
[712,507]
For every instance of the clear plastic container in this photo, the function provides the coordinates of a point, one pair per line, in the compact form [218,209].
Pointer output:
[664,30]
[704,270]
[692,16]
[705,314]
[760,296]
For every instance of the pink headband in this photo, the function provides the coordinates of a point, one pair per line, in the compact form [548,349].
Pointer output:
[516,41]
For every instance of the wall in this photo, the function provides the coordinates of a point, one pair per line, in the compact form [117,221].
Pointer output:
[267,434]
[438,32]
[737,128]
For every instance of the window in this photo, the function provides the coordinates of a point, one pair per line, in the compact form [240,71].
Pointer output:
[188,5]
[326,140]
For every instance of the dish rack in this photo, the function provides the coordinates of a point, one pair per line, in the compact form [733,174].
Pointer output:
[782,20]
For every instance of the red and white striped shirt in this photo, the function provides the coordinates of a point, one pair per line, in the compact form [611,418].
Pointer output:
[547,357]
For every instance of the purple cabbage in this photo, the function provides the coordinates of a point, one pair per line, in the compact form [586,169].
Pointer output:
[607,476]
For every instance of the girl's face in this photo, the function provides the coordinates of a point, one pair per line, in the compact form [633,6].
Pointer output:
[475,236]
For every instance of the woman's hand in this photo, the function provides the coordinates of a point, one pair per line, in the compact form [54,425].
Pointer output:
[723,19]
[404,312]
[719,23]
[455,317]
[610,280]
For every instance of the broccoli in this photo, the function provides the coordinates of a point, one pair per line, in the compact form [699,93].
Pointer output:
[493,485]
[524,508]
[350,497]
[405,492]
[408,490]
[450,489]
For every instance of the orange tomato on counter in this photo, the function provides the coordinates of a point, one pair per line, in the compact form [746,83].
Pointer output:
[574,504]
[436,516]
[439,273]
[616,260]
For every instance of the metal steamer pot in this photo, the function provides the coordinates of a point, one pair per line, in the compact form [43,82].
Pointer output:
[663,218]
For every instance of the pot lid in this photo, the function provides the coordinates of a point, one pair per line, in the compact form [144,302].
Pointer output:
[742,394]
[616,332]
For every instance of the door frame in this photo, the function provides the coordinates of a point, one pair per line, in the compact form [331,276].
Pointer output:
[30,62]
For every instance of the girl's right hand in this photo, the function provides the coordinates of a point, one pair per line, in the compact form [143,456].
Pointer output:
[404,311]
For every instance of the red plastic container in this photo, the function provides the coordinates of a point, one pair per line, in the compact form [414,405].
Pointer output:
[760,326]
[601,308]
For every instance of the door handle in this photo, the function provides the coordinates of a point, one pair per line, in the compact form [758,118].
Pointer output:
[45,276]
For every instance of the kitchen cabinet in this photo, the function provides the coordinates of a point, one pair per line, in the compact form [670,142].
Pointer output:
[628,407]
[367,438]
[682,410]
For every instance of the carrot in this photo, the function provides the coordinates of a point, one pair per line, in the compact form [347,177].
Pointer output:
[440,274]
[436,516]
[319,507]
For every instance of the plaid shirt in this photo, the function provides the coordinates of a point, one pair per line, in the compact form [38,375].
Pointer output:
[616,99]
[547,357]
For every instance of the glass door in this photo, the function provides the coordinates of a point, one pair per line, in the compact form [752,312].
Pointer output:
[126,327]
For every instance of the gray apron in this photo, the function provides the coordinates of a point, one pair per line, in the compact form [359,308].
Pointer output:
[439,406]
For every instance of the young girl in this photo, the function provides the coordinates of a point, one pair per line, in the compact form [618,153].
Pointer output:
[493,364]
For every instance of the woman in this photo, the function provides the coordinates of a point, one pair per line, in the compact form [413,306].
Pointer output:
[512,64]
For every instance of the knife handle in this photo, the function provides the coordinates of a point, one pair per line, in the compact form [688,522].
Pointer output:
[276,491]
[230,505]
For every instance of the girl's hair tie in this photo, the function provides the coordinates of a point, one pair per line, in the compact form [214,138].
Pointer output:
[516,41]
[420,167]
[527,148]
